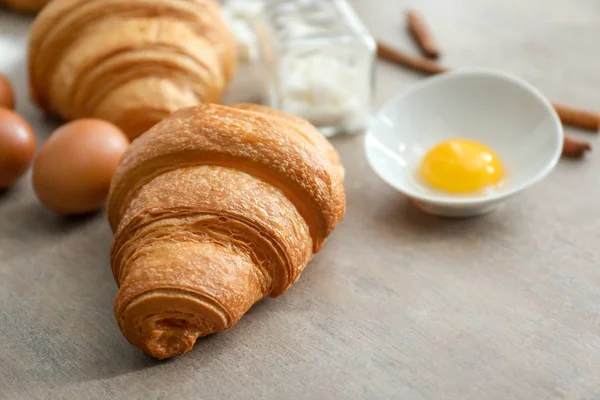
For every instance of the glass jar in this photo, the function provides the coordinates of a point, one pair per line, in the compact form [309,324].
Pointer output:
[240,16]
[318,62]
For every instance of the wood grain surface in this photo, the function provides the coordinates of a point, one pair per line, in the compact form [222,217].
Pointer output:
[398,305]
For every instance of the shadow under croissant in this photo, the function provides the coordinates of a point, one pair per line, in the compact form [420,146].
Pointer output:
[121,358]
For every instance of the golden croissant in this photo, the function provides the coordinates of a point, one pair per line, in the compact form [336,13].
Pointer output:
[29,6]
[213,209]
[130,62]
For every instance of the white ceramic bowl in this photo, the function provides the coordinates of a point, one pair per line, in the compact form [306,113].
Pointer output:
[503,112]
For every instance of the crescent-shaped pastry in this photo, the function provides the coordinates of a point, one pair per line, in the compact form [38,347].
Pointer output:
[130,62]
[215,208]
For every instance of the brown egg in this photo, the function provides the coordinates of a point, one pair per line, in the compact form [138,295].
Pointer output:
[17,147]
[7,96]
[74,167]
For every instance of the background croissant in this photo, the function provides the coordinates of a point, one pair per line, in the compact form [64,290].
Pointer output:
[130,62]
[25,5]
[215,208]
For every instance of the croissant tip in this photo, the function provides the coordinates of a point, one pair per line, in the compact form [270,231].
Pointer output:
[171,337]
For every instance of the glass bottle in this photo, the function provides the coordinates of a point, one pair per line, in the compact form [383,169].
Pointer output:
[318,62]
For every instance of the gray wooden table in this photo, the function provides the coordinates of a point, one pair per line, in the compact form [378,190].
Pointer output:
[397,305]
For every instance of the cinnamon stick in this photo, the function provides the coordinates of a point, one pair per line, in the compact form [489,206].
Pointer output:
[572,116]
[575,148]
[399,57]
[422,34]
[583,119]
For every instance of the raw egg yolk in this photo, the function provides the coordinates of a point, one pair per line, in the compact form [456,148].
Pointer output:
[461,166]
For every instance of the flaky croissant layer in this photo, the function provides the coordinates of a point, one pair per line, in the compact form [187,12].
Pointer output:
[214,209]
